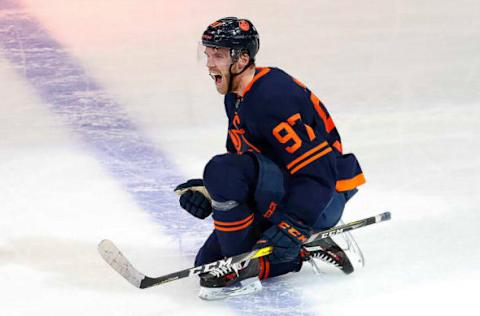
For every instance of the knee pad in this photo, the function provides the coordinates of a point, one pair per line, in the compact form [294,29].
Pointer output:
[230,177]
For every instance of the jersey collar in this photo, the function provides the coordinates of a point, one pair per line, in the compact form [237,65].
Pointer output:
[260,72]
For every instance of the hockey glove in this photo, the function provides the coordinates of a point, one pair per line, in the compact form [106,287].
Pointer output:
[194,198]
[286,238]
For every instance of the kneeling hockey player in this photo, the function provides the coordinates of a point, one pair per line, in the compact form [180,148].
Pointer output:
[284,176]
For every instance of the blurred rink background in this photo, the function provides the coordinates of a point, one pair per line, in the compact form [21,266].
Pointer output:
[105,108]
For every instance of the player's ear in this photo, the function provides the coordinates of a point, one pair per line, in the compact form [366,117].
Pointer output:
[243,59]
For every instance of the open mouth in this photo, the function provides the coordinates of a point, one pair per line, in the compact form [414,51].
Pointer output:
[217,78]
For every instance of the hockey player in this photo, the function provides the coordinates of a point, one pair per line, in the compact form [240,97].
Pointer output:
[284,176]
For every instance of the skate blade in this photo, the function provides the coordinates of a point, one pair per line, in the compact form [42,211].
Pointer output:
[351,249]
[244,287]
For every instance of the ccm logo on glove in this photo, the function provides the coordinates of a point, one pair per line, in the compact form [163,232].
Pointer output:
[292,231]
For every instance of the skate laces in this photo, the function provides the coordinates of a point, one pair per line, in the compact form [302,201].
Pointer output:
[224,270]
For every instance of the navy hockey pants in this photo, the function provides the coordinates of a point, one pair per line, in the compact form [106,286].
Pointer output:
[253,181]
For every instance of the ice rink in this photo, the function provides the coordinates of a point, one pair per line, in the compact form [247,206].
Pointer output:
[105,108]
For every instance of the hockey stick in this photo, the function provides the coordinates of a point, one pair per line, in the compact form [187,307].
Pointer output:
[112,255]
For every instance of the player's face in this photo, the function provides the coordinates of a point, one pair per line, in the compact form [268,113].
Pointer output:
[218,64]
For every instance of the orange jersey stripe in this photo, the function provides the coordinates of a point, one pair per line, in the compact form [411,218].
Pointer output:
[327,121]
[310,160]
[246,219]
[263,72]
[338,145]
[235,228]
[330,126]
[299,83]
[350,184]
[307,154]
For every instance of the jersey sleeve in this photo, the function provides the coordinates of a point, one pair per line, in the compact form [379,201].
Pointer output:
[302,150]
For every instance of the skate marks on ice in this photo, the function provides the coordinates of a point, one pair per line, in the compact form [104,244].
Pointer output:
[128,155]
[117,143]
[275,299]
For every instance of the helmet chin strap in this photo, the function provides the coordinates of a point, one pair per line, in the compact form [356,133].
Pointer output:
[232,75]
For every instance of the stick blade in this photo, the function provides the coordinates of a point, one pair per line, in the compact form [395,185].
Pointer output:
[112,255]
[385,216]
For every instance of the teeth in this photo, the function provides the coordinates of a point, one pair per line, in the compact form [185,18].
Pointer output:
[215,76]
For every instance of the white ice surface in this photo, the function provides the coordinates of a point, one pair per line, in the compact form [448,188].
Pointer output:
[400,78]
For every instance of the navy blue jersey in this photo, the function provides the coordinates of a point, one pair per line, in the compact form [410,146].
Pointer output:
[282,119]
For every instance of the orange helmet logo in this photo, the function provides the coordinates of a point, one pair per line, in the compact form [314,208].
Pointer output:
[216,24]
[244,25]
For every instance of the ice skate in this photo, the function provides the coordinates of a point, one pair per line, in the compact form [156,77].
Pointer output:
[343,254]
[231,280]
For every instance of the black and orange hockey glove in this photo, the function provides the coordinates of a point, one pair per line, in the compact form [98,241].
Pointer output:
[194,198]
[286,238]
